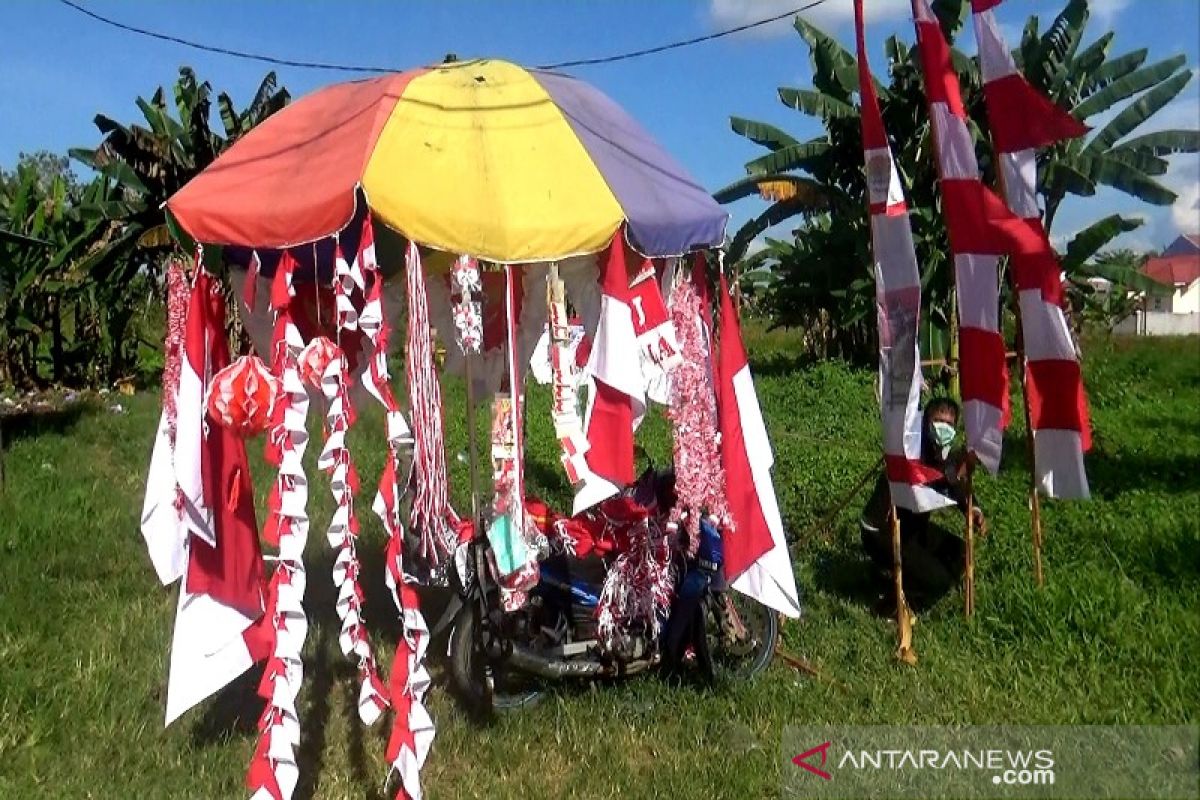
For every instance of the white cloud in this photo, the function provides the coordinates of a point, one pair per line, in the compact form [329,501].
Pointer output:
[1186,211]
[731,13]
[1107,11]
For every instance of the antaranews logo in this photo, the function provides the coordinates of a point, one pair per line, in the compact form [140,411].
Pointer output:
[1021,767]
[801,760]
[990,762]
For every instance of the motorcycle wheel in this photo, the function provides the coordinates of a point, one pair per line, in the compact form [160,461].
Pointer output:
[742,634]
[510,691]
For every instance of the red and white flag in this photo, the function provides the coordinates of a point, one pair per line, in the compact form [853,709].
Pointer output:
[221,594]
[898,304]
[1022,120]
[756,555]
[617,400]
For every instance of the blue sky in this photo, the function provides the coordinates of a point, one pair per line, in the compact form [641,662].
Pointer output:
[58,68]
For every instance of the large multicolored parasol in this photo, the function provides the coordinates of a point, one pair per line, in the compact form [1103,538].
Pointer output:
[483,158]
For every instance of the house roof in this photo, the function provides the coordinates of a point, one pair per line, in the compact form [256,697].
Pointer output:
[1173,270]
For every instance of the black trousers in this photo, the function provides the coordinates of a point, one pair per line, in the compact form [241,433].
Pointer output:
[932,558]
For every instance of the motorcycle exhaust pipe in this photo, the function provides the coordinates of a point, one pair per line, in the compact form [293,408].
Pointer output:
[526,660]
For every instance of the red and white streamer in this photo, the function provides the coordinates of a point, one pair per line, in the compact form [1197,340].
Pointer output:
[412,727]
[1022,120]
[898,304]
[970,211]
[344,527]
[274,770]
[430,507]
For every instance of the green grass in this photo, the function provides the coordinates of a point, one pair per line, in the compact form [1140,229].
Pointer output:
[1112,638]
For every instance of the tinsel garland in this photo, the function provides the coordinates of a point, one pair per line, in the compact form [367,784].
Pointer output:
[699,476]
[638,587]
[177,304]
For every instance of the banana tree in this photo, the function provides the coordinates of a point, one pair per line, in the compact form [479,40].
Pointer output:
[819,181]
[149,162]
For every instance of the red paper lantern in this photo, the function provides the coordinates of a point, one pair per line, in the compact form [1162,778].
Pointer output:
[315,358]
[243,395]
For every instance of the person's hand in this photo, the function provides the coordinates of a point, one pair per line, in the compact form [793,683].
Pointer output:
[980,522]
[966,466]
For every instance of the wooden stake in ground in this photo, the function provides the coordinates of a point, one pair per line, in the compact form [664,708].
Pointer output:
[969,572]
[1035,509]
[904,615]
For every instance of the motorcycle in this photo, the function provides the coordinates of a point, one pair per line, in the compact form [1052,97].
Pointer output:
[505,660]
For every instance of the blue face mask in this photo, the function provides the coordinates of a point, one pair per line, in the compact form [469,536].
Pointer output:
[943,435]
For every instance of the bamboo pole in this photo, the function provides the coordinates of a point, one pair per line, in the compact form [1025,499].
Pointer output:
[1035,508]
[904,616]
[969,572]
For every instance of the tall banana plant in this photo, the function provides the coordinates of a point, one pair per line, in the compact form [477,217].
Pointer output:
[149,162]
[67,285]
[824,274]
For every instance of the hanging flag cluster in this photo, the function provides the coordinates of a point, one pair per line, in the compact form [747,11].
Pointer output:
[898,304]
[1022,120]
[198,517]
[199,521]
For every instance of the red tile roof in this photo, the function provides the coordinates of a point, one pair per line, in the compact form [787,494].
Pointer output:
[1173,270]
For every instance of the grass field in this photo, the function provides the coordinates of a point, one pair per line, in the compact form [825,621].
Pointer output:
[1112,638]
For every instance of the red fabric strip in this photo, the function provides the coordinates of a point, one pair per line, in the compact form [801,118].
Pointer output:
[905,470]
[1056,398]
[941,82]
[873,135]
[984,373]
[610,432]
[1022,118]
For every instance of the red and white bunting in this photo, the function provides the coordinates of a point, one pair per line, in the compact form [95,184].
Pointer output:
[1022,120]
[274,771]
[970,209]
[344,527]
[897,302]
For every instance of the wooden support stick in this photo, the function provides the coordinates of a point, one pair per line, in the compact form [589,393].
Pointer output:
[904,616]
[969,573]
[823,523]
[1035,510]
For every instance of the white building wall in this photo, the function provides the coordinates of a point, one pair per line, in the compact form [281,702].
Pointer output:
[1187,299]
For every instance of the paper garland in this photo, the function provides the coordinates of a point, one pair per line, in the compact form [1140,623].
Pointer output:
[274,771]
